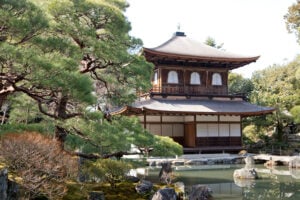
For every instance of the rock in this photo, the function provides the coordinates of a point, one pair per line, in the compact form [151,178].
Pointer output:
[244,182]
[180,189]
[245,173]
[95,195]
[248,172]
[294,162]
[249,162]
[178,162]
[152,163]
[132,179]
[165,174]
[3,183]
[8,189]
[13,190]
[200,192]
[165,194]
[270,163]
[243,153]
[179,186]
[195,162]
[144,187]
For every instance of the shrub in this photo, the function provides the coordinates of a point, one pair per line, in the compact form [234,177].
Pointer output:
[166,146]
[40,162]
[108,170]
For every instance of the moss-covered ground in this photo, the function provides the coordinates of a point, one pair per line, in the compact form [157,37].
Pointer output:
[123,191]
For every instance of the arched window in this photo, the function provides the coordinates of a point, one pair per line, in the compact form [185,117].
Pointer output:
[195,79]
[216,79]
[172,77]
[155,78]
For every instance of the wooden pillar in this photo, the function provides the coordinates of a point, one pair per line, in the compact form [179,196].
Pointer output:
[160,124]
[184,89]
[206,84]
[241,135]
[195,126]
[145,118]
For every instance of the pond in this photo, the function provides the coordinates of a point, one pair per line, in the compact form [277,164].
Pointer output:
[276,183]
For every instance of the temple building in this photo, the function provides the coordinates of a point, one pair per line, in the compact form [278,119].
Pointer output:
[189,99]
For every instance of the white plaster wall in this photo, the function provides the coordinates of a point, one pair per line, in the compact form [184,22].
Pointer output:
[189,118]
[173,119]
[152,118]
[141,118]
[228,118]
[207,118]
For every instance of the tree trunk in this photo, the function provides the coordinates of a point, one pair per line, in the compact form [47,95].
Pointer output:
[61,107]
[60,135]
[3,108]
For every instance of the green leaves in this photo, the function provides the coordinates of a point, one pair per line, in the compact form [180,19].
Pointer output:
[295,111]
[239,85]
[66,56]
[292,19]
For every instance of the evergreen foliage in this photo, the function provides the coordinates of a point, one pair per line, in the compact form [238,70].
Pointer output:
[108,170]
[58,59]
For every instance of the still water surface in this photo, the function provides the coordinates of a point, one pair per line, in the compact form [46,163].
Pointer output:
[276,183]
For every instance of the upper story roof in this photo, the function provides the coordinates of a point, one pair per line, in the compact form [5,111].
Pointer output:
[183,49]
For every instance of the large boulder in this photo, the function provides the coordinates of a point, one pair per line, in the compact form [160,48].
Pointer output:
[248,172]
[200,192]
[244,182]
[245,173]
[249,162]
[165,174]
[165,194]
[144,187]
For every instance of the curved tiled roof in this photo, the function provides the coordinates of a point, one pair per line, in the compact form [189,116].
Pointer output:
[184,47]
[209,107]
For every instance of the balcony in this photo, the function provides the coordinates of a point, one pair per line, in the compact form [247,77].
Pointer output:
[189,90]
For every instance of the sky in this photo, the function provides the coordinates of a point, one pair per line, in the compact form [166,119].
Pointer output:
[246,27]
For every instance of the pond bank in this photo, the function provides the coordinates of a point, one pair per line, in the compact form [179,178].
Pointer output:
[198,159]
[223,158]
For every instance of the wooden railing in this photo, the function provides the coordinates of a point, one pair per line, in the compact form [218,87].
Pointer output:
[190,90]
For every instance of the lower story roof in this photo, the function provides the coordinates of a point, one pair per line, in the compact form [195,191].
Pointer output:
[192,106]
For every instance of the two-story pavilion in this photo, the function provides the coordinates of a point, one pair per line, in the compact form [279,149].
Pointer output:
[189,100]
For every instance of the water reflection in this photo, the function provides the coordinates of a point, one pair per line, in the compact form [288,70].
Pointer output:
[275,183]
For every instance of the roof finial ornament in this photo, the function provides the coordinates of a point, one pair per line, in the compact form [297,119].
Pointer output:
[178,32]
[178,27]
